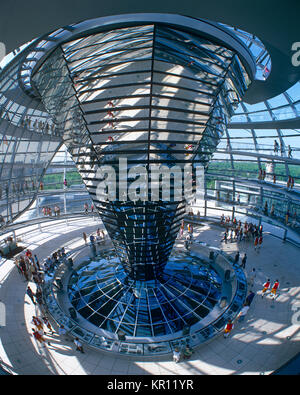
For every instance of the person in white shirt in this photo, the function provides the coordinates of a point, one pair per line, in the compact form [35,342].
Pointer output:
[176,355]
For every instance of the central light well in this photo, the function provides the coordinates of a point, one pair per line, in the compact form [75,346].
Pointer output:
[154,89]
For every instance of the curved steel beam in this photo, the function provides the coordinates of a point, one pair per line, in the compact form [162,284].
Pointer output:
[276,24]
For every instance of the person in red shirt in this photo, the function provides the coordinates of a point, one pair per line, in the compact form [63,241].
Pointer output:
[266,286]
[275,288]
[228,328]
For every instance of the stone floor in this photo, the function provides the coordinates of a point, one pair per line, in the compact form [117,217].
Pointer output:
[268,337]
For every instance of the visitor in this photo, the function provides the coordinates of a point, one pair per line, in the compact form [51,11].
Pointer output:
[252,277]
[56,211]
[70,263]
[39,295]
[231,235]
[30,294]
[23,268]
[48,325]
[274,289]
[241,235]
[266,72]
[236,233]
[287,216]
[282,149]
[191,229]
[36,262]
[49,264]
[38,336]
[228,328]
[266,208]
[237,258]
[28,253]
[2,220]
[243,312]
[225,236]
[188,351]
[244,260]
[250,298]
[266,287]
[176,355]
[62,332]
[187,242]
[260,241]
[98,239]
[78,345]
[37,323]
[256,243]
[181,230]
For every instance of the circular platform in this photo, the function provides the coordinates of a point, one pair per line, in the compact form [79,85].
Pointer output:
[189,304]
[185,293]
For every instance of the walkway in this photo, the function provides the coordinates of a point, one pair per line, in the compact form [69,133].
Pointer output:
[268,337]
